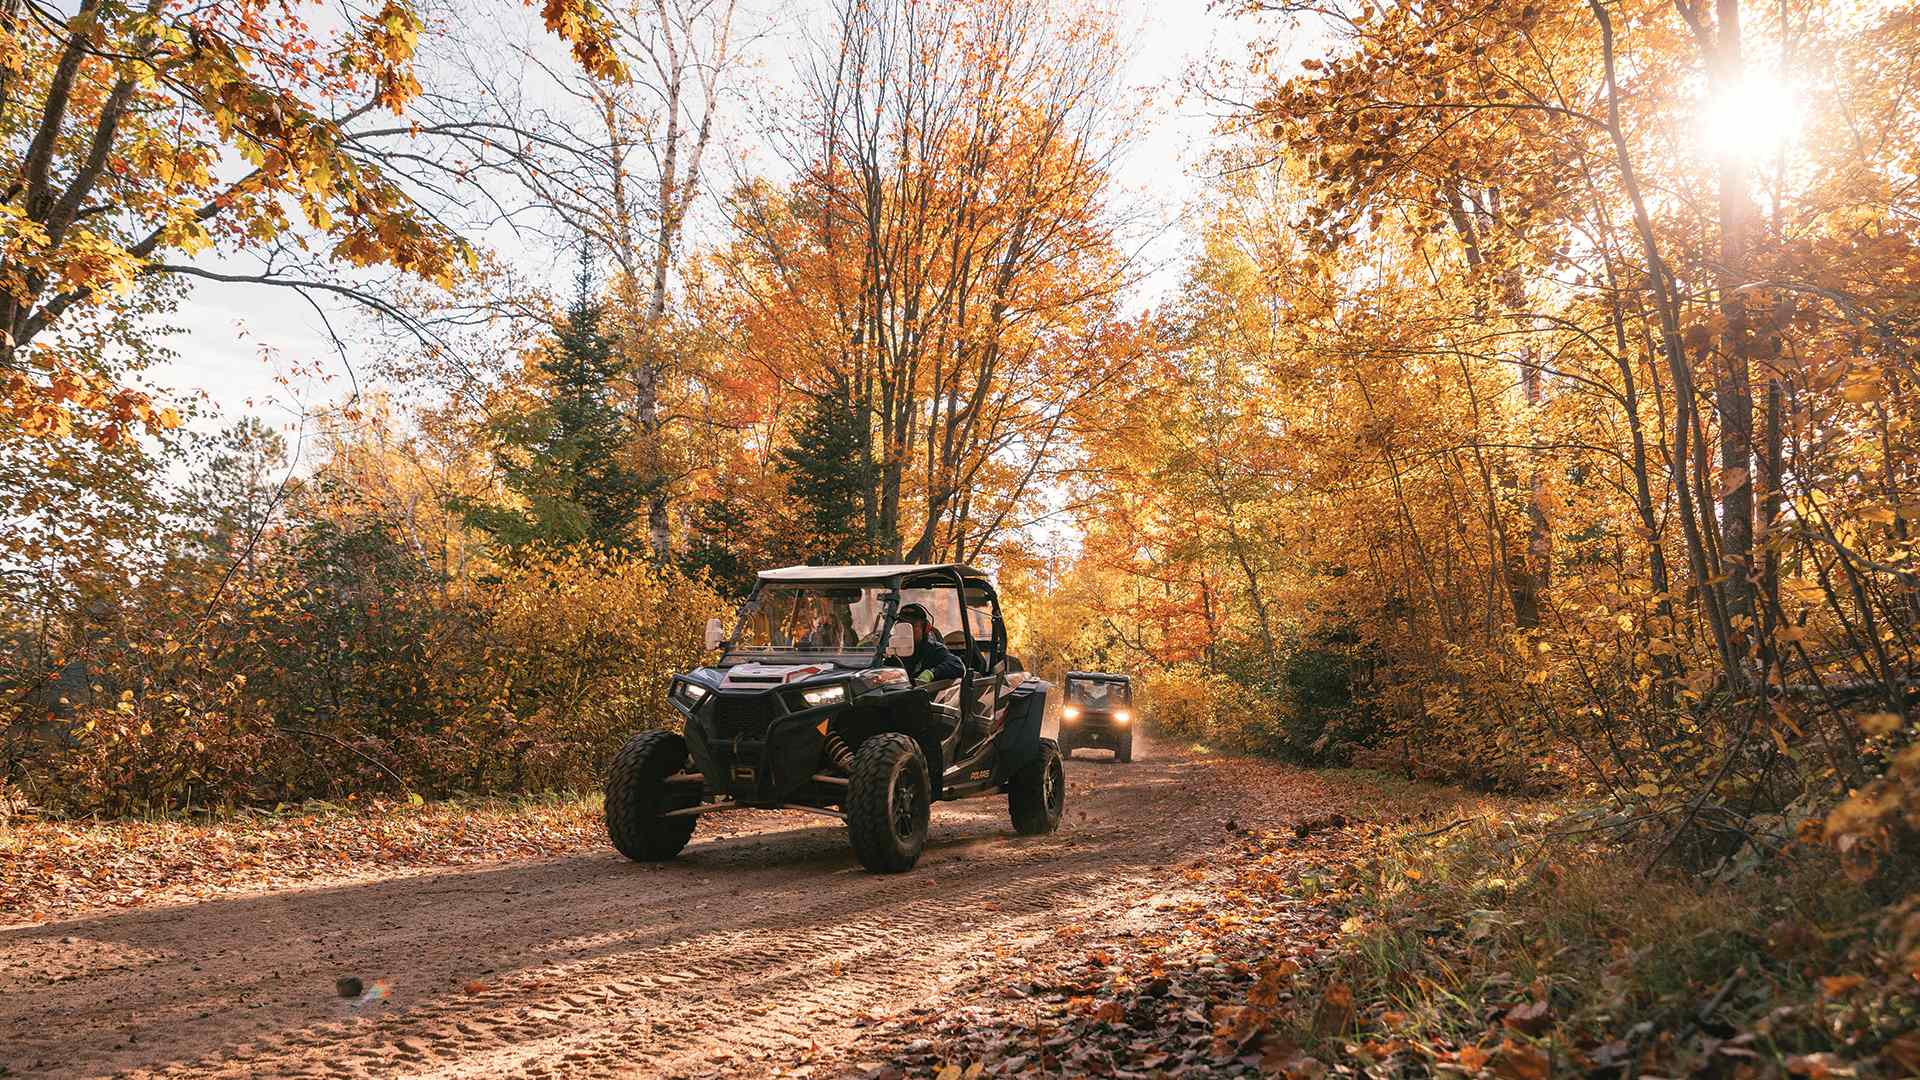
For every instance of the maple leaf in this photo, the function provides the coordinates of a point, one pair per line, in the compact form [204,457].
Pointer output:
[1517,1062]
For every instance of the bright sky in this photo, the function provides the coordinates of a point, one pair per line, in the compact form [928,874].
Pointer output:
[236,339]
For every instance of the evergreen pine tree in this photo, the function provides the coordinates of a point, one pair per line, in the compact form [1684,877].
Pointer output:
[562,457]
[832,479]
[720,539]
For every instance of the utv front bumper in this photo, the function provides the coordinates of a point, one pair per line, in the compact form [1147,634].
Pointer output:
[1094,729]
[754,748]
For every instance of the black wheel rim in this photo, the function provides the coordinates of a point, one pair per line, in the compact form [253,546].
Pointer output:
[1054,787]
[906,804]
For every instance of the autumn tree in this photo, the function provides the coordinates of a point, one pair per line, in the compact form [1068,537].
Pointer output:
[1529,353]
[947,259]
[142,135]
[614,164]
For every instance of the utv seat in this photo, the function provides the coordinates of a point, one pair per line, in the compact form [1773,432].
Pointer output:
[956,643]
[974,727]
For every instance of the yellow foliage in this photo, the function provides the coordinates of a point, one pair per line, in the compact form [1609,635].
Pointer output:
[578,650]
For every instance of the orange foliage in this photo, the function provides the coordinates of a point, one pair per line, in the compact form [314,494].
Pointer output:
[142,110]
[1559,402]
[947,260]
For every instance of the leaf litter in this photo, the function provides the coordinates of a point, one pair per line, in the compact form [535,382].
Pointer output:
[1195,981]
[57,869]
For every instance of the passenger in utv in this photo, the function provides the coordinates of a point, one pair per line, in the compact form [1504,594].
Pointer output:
[825,632]
[930,662]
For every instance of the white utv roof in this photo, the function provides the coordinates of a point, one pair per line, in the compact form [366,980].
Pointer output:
[876,573]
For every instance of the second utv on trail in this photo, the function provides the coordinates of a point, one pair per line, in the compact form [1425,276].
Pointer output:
[865,693]
[1097,711]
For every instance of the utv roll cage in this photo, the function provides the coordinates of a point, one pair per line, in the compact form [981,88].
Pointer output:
[895,577]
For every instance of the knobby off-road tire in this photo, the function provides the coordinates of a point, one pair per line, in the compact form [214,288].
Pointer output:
[637,793]
[1124,752]
[888,801]
[1038,795]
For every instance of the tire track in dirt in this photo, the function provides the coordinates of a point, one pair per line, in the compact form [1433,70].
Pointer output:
[746,950]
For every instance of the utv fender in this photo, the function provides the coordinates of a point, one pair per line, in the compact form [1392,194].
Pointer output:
[792,755]
[1018,743]
[936,763]
[907,710]
[914,715]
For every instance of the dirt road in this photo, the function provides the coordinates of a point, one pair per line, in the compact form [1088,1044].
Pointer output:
[746,950]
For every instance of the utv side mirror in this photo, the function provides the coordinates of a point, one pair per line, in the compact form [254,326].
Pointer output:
[716,633]
[900,641]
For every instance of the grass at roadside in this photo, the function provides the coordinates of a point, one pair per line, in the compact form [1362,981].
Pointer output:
[1483,948]
[1490,939]
[53,869]
[1466,941]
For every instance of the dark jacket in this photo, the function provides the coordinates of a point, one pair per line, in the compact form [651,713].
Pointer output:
[931,656]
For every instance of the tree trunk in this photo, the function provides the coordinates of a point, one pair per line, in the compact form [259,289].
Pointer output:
[1733,392]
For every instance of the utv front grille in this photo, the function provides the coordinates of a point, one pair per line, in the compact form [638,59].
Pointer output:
[742,714]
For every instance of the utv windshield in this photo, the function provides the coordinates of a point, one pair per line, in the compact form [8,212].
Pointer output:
[812,620]
[1097,695]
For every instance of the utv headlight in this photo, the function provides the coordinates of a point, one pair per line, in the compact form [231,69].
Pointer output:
[1070,712]
[1123,716]
[692,693]
[824,695]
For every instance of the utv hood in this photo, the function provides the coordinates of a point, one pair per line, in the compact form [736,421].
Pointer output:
[757,676]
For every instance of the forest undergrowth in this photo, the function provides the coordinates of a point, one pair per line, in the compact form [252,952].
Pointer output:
[1490,938]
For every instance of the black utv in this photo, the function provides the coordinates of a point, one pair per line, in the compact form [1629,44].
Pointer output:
[1097,711]
[815,704]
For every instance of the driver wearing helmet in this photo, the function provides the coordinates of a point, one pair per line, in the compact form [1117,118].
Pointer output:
[930,662]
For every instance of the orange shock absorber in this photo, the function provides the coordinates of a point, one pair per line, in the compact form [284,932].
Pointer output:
[838,752]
